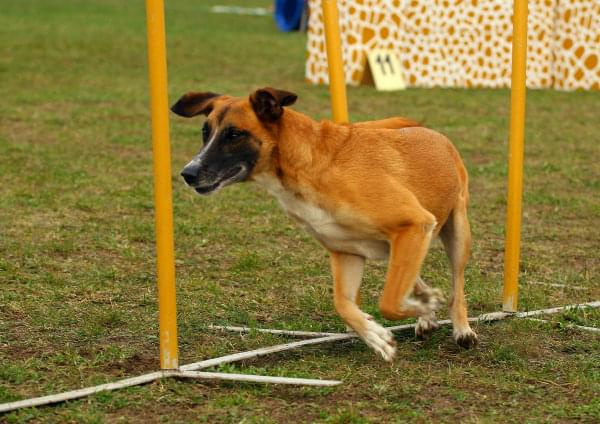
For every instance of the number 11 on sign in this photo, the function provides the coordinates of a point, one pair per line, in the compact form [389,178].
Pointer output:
[385,70]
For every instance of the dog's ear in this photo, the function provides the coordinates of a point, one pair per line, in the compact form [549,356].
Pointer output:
[192,104]
[268,103]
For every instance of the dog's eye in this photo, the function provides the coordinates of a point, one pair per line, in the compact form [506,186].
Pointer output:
[235,134]
[205,131]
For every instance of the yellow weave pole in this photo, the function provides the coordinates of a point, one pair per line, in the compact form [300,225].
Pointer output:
[165,257]
[337,83]
[515,158]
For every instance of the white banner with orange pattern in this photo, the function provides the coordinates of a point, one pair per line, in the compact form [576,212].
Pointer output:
[464,43]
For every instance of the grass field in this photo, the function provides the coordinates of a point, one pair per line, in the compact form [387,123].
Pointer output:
[77,270]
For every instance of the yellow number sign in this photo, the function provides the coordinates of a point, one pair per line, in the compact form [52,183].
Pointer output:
[383,68]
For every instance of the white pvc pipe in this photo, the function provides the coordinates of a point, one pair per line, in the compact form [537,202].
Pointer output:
[595,304]
[285,346]
[349,335]
[75,394]
[262,351]
[256,378]
[146,378]
[562,286]
[294,333]
[567,325]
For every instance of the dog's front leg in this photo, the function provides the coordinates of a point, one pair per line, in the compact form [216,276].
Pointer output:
[347,273]
[408,247]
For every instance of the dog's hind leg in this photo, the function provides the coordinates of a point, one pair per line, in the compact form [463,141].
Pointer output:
[426,323]
[456,237]
[347,273]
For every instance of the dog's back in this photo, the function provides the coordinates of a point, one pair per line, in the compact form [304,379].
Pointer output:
[372,159]
[396,122]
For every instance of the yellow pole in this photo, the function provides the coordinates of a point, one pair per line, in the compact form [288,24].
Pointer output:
[165,258]
[515,158]
[337,84]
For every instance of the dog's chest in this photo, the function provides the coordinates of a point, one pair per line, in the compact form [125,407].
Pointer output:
[323,226]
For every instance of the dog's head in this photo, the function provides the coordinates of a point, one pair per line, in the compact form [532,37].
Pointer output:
[238,135]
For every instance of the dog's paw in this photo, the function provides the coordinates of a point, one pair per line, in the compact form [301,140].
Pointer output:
[426,324]
[431,298]
[465,338]
[425,303]
[380,339]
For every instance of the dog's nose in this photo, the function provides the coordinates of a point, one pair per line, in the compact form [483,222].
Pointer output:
[190,174]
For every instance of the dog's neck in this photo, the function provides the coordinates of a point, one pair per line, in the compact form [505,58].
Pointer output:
[302,153]
[301,140]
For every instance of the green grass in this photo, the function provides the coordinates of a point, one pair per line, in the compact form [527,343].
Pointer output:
[77,271]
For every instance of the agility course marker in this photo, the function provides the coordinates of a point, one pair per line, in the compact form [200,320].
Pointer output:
[512,244]
[383,69]
[335,62]
[165,257]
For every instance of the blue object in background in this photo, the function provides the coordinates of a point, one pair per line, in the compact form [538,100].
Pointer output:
[288,14]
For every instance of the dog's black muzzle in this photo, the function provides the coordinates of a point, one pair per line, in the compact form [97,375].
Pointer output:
[206,180]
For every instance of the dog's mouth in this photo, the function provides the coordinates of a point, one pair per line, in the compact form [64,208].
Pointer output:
[233,175]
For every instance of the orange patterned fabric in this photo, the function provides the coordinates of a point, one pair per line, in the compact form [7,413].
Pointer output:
[464,43]
[577,44]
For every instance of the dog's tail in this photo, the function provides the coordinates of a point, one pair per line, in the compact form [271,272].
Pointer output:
[388,123]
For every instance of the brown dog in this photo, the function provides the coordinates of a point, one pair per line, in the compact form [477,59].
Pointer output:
[371,190]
